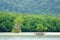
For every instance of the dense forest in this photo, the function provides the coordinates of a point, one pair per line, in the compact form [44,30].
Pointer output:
[29,15]
[28,22]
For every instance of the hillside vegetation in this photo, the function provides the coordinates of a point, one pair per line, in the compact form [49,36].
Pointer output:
[29,22]
[51,7]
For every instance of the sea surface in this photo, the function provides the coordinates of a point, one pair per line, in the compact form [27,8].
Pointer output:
[29,37]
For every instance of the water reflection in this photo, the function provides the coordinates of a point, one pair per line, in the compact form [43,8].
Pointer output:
[29,37]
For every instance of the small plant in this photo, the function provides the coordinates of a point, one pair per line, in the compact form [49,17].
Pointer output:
[16,28]
[39,27]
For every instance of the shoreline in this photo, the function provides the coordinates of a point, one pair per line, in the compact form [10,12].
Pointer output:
[30,33]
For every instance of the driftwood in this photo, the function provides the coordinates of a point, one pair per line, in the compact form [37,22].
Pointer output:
[39,33]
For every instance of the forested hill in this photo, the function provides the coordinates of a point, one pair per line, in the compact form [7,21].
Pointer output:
[31,6]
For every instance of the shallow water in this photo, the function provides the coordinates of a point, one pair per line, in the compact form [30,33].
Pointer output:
[22,37]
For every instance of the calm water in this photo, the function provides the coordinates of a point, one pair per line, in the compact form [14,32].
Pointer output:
[29,37]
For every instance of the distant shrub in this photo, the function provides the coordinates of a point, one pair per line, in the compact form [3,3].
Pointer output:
[28,23]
